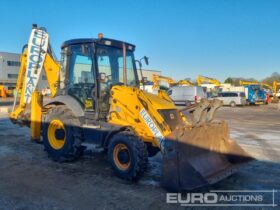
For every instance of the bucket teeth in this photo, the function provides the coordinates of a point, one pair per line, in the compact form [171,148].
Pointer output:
[202,112]
[199,114]
[214,105]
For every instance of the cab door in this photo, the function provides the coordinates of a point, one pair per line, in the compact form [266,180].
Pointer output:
[82,79]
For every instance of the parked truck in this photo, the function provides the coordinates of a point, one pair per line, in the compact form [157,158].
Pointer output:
[254,93]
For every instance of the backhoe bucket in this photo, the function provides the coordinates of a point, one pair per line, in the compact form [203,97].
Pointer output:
[199,156]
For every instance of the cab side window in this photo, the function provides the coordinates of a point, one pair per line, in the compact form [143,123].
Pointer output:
[81,75]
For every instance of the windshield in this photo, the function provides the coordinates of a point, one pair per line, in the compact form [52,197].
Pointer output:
[110,64]
[256,87]
[242,94]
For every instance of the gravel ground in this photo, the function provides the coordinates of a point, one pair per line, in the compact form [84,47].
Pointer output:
[30,180]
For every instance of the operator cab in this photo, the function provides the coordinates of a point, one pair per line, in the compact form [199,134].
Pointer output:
[93,66]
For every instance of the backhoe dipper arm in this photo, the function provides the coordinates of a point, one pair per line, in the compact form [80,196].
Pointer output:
[33,60]
[241,82]
[248,83]
[185,82]
[267,86]
[52,70]
[202,79]
[157,79]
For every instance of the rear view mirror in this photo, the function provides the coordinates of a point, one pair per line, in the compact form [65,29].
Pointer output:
[146,60]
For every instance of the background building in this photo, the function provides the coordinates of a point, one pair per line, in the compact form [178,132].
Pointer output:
[148,74]
[9,69]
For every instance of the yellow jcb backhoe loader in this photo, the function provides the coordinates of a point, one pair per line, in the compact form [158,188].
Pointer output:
[207,80]
[96,98]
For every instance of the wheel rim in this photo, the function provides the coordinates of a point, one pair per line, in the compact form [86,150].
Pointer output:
[56,134]
[121,156]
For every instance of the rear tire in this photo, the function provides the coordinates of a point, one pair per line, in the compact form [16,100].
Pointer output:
[62,134]
[232,104]
[128,156]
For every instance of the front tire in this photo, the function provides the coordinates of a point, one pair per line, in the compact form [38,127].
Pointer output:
[232,104]
[128,156]
[62,134]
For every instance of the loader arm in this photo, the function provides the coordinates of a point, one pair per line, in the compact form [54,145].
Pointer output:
[194,153]
[143,114]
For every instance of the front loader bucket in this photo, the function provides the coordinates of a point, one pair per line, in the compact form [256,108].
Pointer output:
[199,156]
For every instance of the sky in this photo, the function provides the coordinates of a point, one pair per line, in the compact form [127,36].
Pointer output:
[214,38]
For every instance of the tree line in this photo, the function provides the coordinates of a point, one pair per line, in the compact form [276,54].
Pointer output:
[269,80]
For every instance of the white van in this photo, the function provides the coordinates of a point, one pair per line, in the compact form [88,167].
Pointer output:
[186,94]
[231,98]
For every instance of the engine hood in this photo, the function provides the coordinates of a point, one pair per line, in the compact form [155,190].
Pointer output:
[159,103]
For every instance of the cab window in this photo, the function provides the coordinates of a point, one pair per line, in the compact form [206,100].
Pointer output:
[81,75]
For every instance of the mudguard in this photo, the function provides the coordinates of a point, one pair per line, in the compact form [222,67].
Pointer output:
[69,101]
